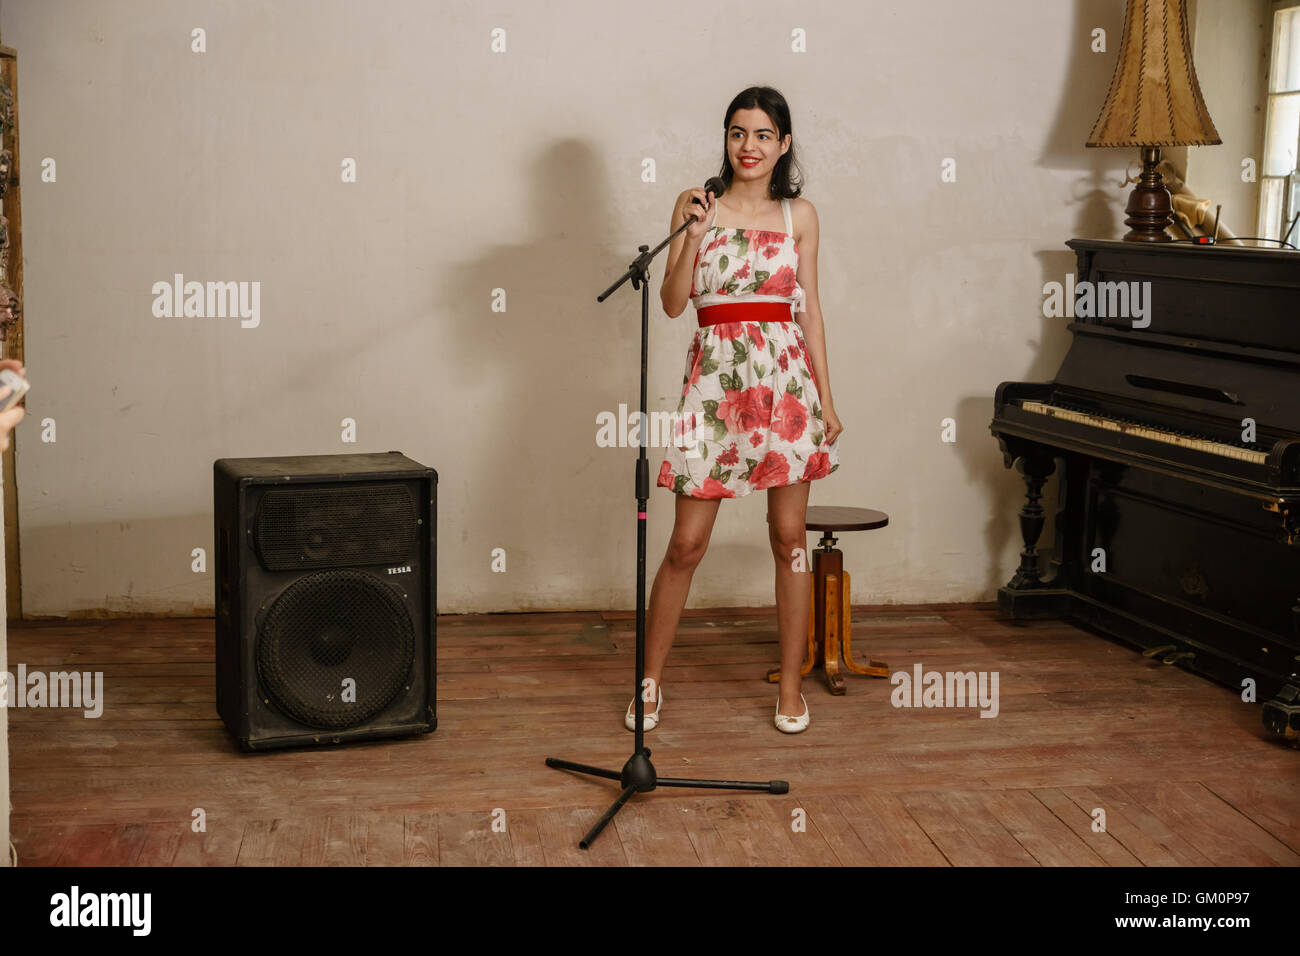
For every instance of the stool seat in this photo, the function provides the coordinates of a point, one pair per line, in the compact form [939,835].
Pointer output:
[837,518]
[829,609]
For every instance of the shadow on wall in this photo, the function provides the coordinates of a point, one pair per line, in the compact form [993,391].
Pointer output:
[1096,196]
[554,347]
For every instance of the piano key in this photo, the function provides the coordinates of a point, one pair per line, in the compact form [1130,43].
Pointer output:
[1143,431]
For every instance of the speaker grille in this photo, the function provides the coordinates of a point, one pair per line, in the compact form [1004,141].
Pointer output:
[327,627]
[299,529]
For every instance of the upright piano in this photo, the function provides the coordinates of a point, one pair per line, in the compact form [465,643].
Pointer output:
[1177,436]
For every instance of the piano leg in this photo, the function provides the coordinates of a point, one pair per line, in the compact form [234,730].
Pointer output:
[1026,595]
[1282,713]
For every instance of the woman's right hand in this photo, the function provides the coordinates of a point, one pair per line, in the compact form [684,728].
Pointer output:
[703,216]
[9,419]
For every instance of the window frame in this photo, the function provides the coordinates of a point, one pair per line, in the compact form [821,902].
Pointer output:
[1277,189]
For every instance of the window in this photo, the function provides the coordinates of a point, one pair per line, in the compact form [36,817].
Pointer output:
[1279,195]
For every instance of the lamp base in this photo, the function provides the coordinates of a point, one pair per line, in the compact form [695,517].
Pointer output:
[1149,210]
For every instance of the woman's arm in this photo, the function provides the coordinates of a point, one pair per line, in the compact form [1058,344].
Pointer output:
[675,293]
[810,320]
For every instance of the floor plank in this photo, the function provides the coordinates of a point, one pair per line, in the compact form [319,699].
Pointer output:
[1143,833]
[1183,770]
[1268,801]
[1213,826]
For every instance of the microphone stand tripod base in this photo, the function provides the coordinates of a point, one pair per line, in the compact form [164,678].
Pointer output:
[638,774]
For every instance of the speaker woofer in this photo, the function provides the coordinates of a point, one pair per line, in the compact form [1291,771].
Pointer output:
[328,627]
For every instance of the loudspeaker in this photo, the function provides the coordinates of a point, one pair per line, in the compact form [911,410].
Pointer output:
[326,582]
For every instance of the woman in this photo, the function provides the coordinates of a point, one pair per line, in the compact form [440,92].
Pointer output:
[756,400]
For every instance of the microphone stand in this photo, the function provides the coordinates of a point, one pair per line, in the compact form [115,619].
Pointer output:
[638,773]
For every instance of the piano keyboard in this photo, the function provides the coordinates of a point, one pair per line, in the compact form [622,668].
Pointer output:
[1143,431]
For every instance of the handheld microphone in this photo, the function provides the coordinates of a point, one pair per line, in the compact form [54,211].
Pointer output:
[714,185]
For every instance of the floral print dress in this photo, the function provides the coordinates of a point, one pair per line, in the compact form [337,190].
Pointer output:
[749,417]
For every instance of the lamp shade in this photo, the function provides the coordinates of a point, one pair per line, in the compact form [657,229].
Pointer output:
[1154,99]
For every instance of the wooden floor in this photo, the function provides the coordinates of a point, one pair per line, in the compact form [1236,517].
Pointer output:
[1183,770]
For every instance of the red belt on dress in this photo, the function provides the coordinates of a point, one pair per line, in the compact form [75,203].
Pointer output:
[744,312]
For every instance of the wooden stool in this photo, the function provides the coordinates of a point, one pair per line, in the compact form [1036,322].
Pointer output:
[830,611]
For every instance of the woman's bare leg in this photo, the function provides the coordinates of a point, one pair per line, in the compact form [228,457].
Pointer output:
[690,539]
[787,509]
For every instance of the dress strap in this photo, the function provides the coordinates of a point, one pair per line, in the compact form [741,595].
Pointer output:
[785,211]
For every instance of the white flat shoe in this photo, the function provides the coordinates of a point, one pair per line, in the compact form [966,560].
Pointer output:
[651,720]
[792,725]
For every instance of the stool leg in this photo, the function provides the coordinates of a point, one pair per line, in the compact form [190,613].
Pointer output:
[834,679]
[874,668]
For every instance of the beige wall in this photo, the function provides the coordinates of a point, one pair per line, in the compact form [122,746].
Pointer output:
[1233,39]
[523,171]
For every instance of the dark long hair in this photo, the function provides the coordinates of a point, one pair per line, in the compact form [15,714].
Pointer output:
[786,182]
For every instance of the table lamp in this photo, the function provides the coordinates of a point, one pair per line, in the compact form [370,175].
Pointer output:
[1153,101]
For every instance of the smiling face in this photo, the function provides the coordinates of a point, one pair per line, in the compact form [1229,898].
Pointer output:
[752,144]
